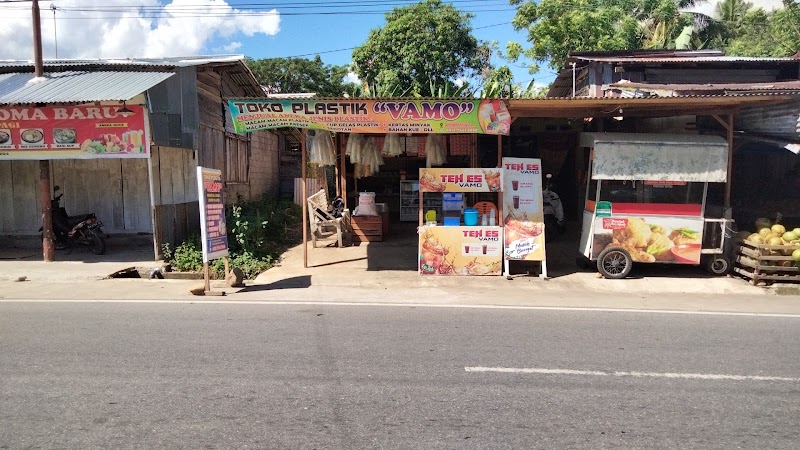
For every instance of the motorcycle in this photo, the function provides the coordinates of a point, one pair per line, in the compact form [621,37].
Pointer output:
[68,230]
[553,210]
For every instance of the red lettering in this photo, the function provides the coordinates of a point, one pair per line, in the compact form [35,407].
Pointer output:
[474,178]
[533,167]
[515,166]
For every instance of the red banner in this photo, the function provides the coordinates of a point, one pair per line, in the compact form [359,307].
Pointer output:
[73,132]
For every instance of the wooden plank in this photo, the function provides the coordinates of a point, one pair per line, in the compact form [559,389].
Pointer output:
[165,176]
[25,180]
[6,198]
[136,199]
[156,175]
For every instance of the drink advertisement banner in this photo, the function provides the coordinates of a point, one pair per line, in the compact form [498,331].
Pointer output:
[460,180]
[213,232]
[651,239]
[461,251]
[373,116]
[522,207]
[73,132]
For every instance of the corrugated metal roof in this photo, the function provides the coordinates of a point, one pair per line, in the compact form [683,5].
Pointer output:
[681,59]
[177,61]
[76,87]
[777,85]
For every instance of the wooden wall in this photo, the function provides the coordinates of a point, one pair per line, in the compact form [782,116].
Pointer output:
[175,194]
[114,189]
[218,146]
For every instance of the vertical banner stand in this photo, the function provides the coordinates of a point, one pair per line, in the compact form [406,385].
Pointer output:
[213,230]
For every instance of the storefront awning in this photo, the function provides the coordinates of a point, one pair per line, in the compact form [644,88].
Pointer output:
[662,157]
[22,88]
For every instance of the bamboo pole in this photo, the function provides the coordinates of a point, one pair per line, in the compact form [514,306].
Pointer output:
[499,220]
[303,162]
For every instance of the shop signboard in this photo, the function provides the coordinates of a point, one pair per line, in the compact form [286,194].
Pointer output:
[72,132]
[461,251]
[460,180]
[452,116]
[676,240]
[522,208]
[213,231]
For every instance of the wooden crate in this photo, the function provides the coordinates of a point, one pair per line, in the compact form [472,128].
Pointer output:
[367,228]
[766,263]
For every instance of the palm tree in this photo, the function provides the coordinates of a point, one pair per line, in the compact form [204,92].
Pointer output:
[731,14]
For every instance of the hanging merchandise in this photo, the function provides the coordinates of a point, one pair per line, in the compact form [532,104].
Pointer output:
[393,145]
[436,155]
[320,148]
[355,144]
[371,160]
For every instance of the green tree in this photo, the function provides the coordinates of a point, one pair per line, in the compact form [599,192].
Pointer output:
[421,50]
[556,27]
[300,75]
[775,33]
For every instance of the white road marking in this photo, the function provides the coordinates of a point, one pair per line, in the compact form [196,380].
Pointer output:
[410,305]
[597,373]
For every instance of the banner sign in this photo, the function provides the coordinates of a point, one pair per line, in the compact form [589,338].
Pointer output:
[460,180]
[522,207]
[674,240]
[373,116]
[73,132]
[213,232]
[461,251]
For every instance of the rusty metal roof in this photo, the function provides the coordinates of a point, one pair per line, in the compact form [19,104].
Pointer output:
[670,56]
[139,63]
[76,86]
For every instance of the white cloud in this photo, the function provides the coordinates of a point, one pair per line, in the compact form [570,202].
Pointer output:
[352,78]
[232,47]
[140,28]
[709,7]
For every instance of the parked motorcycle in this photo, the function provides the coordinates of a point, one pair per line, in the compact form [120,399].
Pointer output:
[68,230]
[553,210]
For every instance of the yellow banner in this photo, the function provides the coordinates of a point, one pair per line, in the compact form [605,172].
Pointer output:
[464,251]
[460,180]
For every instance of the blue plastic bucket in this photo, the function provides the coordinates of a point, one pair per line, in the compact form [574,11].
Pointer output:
[471,217]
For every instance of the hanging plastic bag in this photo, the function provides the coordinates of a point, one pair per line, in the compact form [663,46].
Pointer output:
[393,145]
[355,144]
[435,154]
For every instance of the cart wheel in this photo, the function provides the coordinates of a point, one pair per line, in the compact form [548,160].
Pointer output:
[718,265]
[614,263]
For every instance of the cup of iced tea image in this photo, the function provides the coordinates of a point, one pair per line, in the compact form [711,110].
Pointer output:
[516,201]
[485,247]
[514,185]
[466,249]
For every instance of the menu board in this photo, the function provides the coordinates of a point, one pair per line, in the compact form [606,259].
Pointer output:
[73,132]
[522,208]
[469,251]
[460,180]
[213,231]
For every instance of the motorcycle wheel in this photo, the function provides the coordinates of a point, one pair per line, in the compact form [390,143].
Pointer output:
[96,242]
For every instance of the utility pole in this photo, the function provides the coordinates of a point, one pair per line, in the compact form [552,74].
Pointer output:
[55,27]
[48,250]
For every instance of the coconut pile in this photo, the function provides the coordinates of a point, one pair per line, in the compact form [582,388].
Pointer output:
[776,234]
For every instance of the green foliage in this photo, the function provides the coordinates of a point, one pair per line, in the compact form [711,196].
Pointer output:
[556,28]
[187,257]
[422,48]
[258,232]
[761,33]
[300,75]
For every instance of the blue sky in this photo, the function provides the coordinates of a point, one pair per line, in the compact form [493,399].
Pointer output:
[255,28]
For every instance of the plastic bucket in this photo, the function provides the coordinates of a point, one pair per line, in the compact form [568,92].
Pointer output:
[471,217]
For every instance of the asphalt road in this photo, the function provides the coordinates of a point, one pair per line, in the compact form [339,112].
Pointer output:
[145,375]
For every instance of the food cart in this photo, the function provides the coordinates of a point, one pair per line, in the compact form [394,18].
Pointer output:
[646,202]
